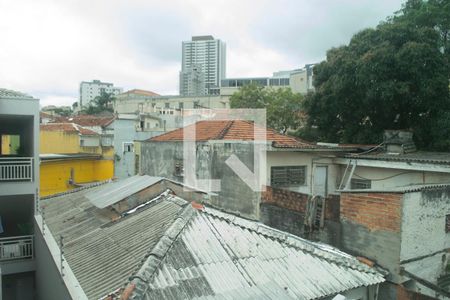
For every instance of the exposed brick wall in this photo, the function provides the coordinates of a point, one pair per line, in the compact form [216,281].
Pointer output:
[284,198]
[376,211]
[297,201]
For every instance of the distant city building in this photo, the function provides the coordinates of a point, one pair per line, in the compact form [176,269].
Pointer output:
[299,80]
[90,90]
[203,66]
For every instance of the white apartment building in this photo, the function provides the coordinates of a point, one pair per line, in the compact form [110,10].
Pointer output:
[203,66]
[91,89]
[19,188]
[299,80]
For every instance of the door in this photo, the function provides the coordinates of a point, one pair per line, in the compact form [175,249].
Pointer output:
[320,181]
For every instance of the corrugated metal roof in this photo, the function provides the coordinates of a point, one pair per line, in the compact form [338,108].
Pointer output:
[119,190]
[103,253]
[403,189]
[220,256]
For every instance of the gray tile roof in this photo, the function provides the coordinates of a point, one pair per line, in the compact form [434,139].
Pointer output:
[419,156]
[5,93]
[103,253]
[213,255]
[404,189]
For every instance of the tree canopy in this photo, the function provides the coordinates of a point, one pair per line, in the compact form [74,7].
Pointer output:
[100,104]
[395,76]
[282,105]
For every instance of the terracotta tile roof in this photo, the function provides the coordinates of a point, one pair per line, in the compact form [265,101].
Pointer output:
[46,115]
[237,130]
[67,127]
[87,120]
[142,92]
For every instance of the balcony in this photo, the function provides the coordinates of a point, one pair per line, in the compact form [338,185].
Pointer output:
[16,169]
[16,248]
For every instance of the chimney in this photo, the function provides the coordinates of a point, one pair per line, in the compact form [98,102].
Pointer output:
[399,141]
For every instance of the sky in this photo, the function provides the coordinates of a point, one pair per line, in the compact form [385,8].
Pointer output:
[48,47]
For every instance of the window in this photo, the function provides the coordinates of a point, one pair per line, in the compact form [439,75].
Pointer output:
[288,175]
[178,168]
[447,223]
[360,184]
[128,147]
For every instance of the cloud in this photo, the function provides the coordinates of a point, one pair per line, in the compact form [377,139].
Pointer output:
[50,46]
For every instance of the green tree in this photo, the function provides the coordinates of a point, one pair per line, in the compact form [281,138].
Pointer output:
[282,105]
[100,104]
[391,77]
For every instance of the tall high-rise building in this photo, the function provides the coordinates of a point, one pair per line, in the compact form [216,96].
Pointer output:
[203,66]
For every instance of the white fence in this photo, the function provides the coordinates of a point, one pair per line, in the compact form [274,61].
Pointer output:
[17,247]
[16,169]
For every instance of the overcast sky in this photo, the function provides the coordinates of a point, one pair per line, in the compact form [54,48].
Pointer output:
[48,47]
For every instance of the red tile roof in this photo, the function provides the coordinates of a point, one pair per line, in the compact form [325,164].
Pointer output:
[67,127]
[88,120]
[142,92]
[237,130]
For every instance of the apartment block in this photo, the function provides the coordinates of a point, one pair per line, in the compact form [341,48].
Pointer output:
[91,89]
[19,189]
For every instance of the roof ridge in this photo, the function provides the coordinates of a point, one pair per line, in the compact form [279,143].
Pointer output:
[156,255]
[224,130]
[292,240]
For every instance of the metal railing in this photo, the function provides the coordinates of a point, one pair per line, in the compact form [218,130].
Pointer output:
[16,168]
[15,248]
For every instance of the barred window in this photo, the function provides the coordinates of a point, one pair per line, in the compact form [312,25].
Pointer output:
[288,175]
[360,184]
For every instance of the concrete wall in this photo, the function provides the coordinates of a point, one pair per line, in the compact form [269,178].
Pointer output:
[49,284]
[386,178]
[159,159]
[428,209]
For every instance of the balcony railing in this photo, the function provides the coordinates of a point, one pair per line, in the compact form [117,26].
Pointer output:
[15,248]
[16,169]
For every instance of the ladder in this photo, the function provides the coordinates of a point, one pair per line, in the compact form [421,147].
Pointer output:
[348,174]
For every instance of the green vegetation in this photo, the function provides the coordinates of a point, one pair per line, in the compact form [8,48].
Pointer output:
[395,76]
[100,104]
[282,105]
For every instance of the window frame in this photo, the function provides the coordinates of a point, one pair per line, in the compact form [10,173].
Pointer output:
[289,176]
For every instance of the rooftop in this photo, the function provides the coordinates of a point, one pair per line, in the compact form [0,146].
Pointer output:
[88,120]
[67,127]
[238,130]
[141,92]
[418,156]
[171,249]
[5,93]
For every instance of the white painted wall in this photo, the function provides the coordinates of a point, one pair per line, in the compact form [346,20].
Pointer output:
[387,178]
[89,141]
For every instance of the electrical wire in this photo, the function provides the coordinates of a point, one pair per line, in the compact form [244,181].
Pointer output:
[368,151]
[380,179]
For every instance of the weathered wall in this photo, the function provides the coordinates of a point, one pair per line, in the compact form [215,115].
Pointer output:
[371,227]
[428,210]
[159,158]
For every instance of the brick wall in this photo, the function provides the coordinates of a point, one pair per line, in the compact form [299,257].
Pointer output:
[285,199]
[297,201]
[376,211]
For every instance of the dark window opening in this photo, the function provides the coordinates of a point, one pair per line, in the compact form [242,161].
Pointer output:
[288,175]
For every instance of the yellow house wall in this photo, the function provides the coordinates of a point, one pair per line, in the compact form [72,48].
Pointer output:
[55,175]
[6,149]
[59,142]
